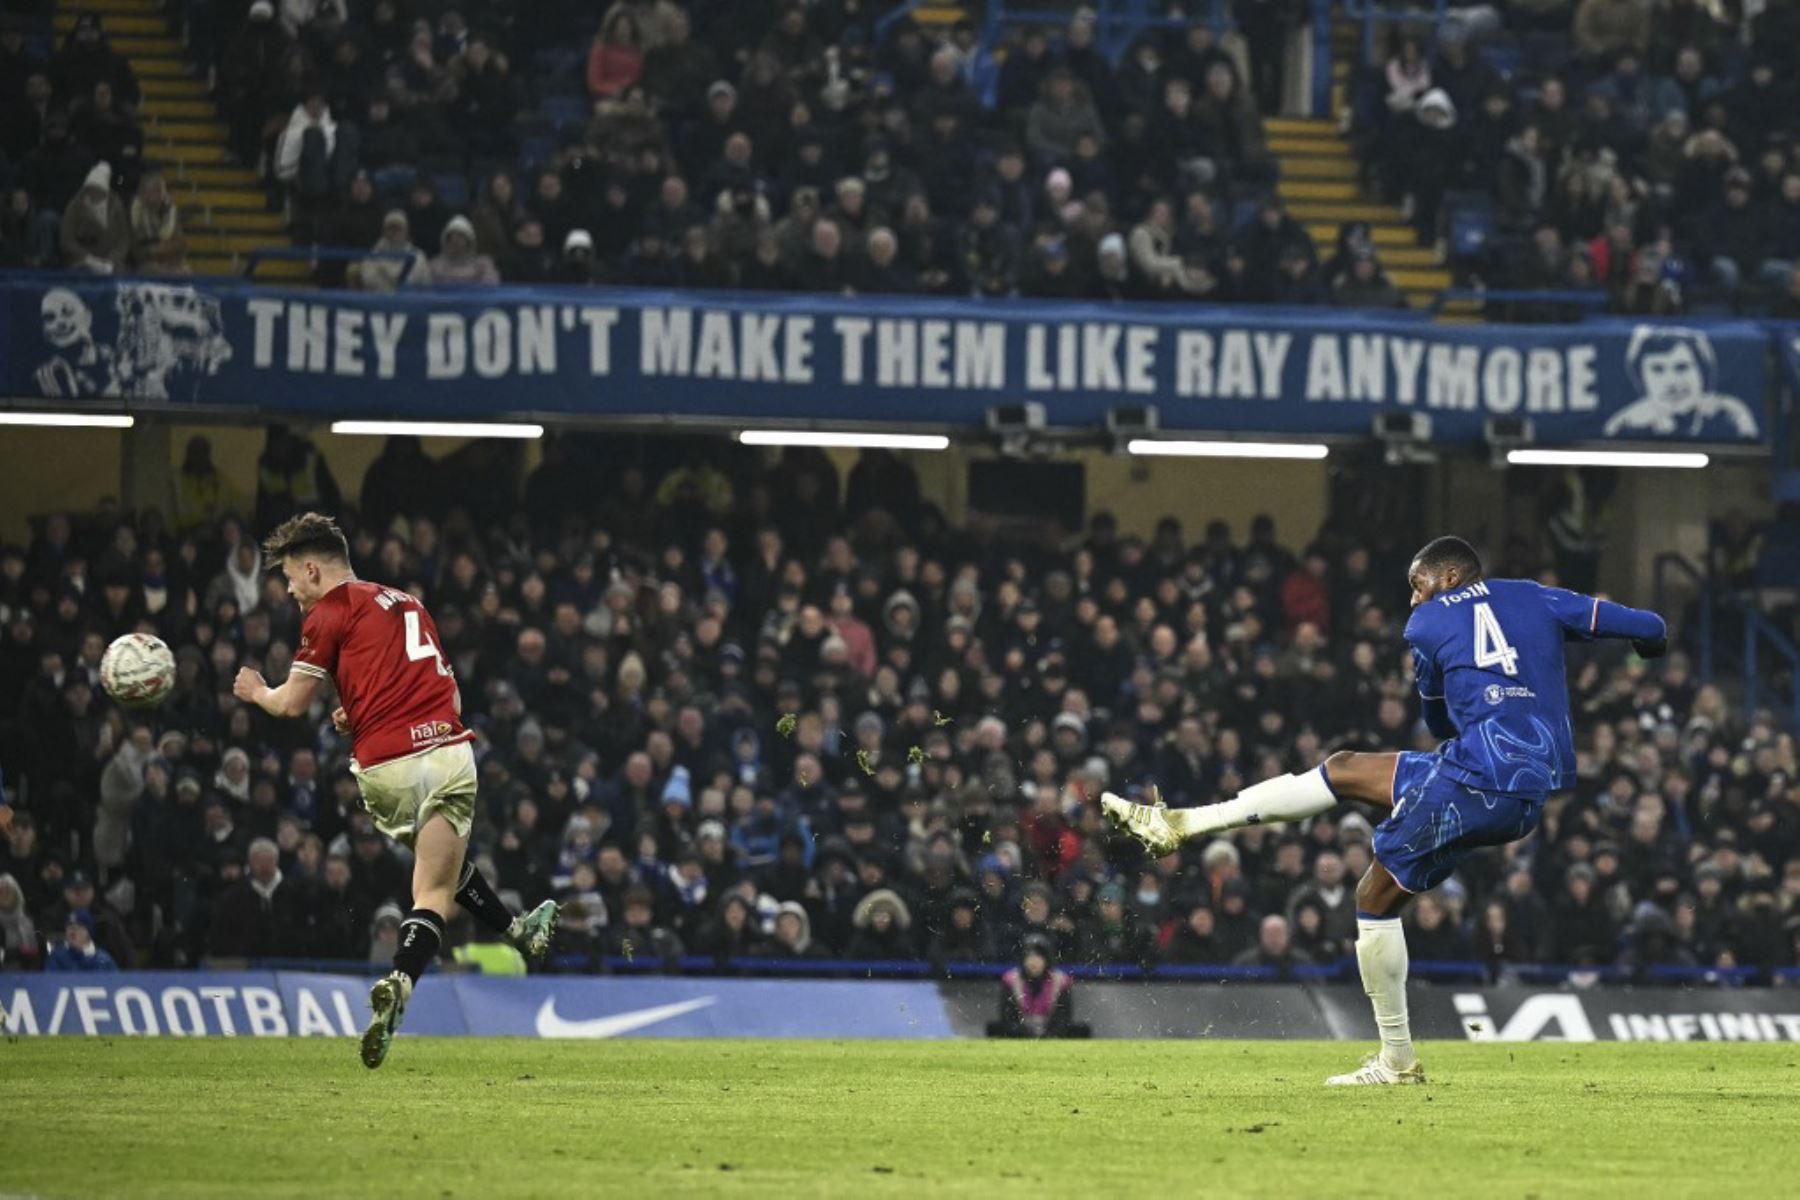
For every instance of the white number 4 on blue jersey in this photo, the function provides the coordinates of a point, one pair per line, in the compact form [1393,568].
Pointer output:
[1491,646]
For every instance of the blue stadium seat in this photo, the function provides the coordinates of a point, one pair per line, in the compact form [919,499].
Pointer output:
[452,188]
[1504,58]
[1471,230]
[558,65]
[561,110]
[536,149]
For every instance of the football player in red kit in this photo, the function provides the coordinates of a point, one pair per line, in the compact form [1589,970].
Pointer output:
[410,753]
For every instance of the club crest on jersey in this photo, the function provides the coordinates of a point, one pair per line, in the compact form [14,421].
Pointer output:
[430,731]
[1494,693]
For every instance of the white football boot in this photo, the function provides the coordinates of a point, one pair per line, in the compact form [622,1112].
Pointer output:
[1376,1072]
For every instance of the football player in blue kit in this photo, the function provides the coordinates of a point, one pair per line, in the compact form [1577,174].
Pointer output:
[1488,660]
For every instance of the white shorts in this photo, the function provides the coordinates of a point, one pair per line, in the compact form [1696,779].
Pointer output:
[404,793]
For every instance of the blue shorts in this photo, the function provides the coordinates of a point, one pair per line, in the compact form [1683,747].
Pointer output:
[1437,821]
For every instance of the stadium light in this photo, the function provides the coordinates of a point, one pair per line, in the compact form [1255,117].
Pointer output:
[1193,449]
[1689,460]
[69,420]
[865,441]
[469,429]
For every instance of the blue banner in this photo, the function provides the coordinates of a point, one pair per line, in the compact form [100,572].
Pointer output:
[295,1004]
[610,353]
[299,1004]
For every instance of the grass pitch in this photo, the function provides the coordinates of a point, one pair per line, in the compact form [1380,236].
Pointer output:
[489,1119]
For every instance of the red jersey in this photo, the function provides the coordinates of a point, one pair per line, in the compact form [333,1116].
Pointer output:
[382,649]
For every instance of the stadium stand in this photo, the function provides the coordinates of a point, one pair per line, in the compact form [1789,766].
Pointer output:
[704,145]
[959,695]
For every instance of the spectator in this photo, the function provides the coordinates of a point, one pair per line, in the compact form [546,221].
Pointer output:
[87,60]
[1432,935]
[1274,949]
[203,493]
[883,925]
[390,272]
[1365,284]
[1408,74]
[18,935]
[110,133]
[256,915]
[1584,932]
[78,950]
[1605,28]
[458,264]
[1036,999]
[486,97]
[157,244]
[96,233]
[1064,113]
[27,235]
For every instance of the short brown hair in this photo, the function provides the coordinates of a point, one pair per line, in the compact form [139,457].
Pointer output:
[309,533]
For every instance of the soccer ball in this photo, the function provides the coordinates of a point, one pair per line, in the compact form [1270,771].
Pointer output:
[138,670]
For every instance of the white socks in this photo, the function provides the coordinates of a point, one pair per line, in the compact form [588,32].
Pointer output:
[1381,953]
[1284,798]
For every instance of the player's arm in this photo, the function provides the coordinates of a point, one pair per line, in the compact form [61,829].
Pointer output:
[1586,618]
[291,699]
[1433,705]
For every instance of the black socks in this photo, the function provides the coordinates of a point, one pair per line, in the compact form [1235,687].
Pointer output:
[479,899]
[420,935]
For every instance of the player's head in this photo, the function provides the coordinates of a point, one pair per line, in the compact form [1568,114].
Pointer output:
[312,552]
[1444,564]
[1671,367]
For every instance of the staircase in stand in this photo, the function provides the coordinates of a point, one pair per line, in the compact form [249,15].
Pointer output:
[223,214]
[1320,185]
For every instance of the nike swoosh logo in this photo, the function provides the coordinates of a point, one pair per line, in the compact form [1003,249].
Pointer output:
[550,1025]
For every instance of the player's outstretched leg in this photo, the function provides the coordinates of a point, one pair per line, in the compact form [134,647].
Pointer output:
[437,864]
[1343,776]
[1381,957]
[530,934]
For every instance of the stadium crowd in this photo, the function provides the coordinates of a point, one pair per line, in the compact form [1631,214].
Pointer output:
[703,144]
[731,707]
[1643,147]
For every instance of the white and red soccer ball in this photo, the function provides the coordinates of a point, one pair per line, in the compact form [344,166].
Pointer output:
[138,670]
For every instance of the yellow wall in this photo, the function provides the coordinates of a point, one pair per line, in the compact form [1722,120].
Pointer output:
[44,470]
[1140,491]
[51,470]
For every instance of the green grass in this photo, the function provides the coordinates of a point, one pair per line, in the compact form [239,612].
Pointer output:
[502,1118]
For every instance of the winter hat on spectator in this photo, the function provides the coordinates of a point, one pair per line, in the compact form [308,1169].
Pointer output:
[458,224]
[679,790]
[1436,109]
[100,177]
[721,87]
[83,918]
[580,239]
[1070,722]
[1218,853]
[262,10]
[881,899]
[710,831]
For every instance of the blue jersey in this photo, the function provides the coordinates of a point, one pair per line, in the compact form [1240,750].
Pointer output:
[1489,663]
